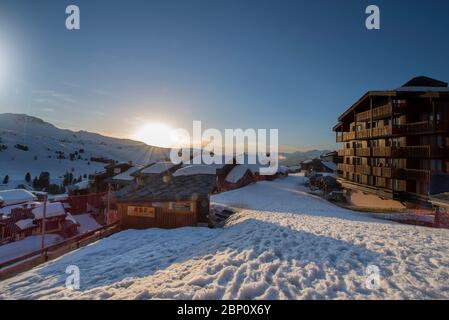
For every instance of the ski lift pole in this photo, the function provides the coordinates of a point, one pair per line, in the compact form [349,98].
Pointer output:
[44,216]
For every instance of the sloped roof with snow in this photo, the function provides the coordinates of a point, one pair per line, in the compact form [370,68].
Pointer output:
[54,209]
[127,175]
[180,188]
[330,165]
[158,168]
[237,173]
[195,169]
[25,224]
[16,196]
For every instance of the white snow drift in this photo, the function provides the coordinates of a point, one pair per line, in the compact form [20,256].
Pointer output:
[283,244]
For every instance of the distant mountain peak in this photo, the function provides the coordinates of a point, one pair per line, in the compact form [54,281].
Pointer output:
[24,118]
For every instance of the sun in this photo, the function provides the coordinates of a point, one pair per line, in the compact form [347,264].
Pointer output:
[156,134]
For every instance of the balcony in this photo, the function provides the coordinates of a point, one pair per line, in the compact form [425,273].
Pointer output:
[346,167]
[339,138]
[380,112]
[410,152]
[384,172]
[363,169]
[363,152]
[411,174]
[420,127]
[347,136]
[382,152]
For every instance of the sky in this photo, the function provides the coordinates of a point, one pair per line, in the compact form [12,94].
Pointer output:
[288,65]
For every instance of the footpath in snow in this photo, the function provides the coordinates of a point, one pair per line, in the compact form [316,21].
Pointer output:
[282,244]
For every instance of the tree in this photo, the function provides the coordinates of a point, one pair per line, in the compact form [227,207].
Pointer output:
[28,177]
[6,179]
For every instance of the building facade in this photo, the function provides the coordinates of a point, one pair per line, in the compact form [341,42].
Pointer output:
[395,142]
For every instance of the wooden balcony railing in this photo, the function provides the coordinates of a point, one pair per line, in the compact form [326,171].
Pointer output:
[363,152]
[339,138]
[420,127]
[383,152]
[410,152]
[347,136]
[384,172]
[380,112]
[346,167]
[411,174]
[363,169]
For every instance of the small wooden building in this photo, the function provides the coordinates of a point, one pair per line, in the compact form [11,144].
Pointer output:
[171,202]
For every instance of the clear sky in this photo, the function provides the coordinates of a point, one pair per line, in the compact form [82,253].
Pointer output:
[291,65]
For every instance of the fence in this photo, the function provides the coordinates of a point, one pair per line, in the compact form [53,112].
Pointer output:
[102,206]
[32,259]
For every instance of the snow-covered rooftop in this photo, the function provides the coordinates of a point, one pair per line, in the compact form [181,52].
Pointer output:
[237,173]
[25,224]
[330,165]
[16,196]
[196,169]
[158,168]
[127,175]
[54,209]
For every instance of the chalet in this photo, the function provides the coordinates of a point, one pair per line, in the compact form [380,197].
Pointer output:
[220,171]
[395,142]
[238,177]
[125,178]
[318,165]
[16,196]
[18,222]
[176,201]
[101,180]
[155,171]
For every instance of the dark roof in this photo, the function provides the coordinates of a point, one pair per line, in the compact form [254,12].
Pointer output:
[181,188]
[424,82]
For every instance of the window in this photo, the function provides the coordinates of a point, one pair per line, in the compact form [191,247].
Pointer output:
[436,165]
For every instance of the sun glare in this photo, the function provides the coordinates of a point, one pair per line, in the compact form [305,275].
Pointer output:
[157,134]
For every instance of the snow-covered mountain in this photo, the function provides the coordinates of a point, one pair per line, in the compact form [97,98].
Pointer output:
[29,144]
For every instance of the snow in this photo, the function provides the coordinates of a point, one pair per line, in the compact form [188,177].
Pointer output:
[158,168]
[45,140]
[195,169]
[282,243]
[7,210]
[54,209]
[28,245]
[127,175]
[86,222]
[16,196]
[82,185]
[423,89]
[330,165]
[25,224]
[236,174]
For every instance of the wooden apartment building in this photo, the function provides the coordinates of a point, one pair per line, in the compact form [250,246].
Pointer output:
[395,142]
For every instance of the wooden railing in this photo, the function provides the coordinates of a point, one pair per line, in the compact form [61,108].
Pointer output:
[410,152]
[339,138]
[363,152]
[346,167]
[363,169]
[411,174]
[420,127]
[381,172]
[349,136]
[380,112]
[57,249]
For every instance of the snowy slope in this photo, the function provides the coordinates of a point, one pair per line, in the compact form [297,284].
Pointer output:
[283,244]
[44,141]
